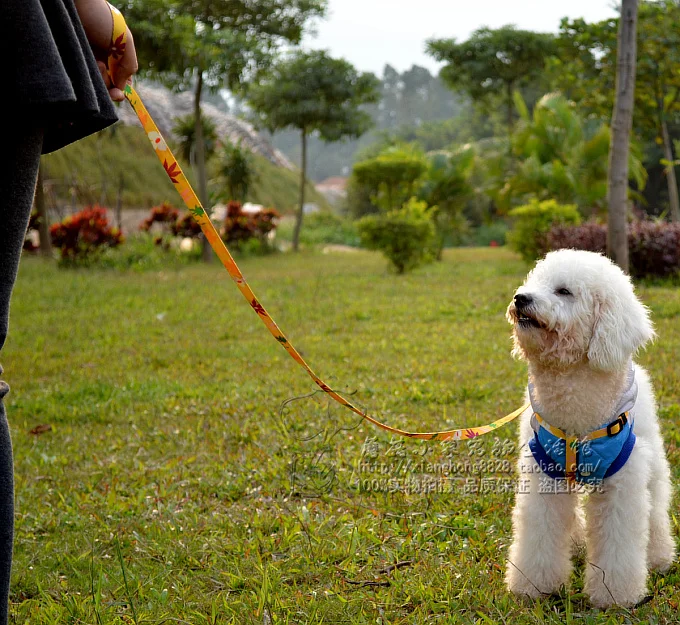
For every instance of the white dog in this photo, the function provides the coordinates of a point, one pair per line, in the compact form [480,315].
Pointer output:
[593,422]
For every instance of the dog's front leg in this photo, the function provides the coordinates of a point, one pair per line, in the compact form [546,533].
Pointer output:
[661,547]
[539,561]
[617,533]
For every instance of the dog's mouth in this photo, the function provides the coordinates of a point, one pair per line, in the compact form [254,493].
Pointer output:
[525,320]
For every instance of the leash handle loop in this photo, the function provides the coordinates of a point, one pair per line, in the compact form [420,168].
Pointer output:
[118,40]
[179,180]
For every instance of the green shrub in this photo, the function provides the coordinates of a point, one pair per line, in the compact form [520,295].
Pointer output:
[391,177]
[532,224]
[254,247]
[405,236]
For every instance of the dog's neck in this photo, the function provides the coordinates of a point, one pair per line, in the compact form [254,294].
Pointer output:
[578,399]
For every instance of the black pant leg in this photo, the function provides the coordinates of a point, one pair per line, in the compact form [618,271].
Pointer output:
[22,147]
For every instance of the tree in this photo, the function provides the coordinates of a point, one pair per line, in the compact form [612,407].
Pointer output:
[492,64]
[391,178]
[658,80]
[213,43]
[410,101]
[586,71]
[413,97]
[236,169]
[313,93]
[559,155]
[657,93]
[622,121]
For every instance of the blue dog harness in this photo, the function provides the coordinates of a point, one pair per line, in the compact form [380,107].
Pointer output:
[586,459]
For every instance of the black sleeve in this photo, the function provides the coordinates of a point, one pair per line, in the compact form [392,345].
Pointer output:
[53,79]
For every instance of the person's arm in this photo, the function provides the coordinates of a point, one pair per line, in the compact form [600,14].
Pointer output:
[95,16]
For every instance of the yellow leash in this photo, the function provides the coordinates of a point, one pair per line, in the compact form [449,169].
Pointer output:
[192,202]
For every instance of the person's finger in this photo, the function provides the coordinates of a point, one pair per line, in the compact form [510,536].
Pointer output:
[127,65]
[104,71]
[116,94]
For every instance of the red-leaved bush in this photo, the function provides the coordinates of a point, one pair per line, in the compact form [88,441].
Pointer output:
[83,233]
[654,246]
[168,217]
[164,213]
[589,236]
[240,226]
[186,226]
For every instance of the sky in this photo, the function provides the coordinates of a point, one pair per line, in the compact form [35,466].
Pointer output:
[371,33]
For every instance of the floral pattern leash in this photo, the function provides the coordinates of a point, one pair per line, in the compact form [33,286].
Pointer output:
[177,177]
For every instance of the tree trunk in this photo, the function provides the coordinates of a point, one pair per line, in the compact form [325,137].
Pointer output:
[671,180]
[622,119]
[199,147]
[439,250]
[303,182]
[43,219]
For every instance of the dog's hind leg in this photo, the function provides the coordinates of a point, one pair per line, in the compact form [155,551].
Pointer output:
[539,561]
[661,548]
[617,534]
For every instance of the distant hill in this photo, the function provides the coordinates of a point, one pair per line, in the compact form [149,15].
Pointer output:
[165,106]
[120,160]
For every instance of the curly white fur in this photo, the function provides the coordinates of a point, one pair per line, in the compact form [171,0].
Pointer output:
[578,323]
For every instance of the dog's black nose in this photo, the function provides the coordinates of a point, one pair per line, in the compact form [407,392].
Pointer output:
[522,300]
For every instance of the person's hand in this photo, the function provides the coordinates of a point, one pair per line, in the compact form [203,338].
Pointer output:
[97,21]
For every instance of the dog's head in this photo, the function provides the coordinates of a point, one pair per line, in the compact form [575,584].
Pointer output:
[577,306]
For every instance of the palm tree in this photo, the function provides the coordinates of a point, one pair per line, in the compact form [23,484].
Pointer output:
[196,145]
[185,131]
[236,169]
[561,156]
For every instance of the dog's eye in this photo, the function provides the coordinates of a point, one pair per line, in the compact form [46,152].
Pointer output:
[563,291]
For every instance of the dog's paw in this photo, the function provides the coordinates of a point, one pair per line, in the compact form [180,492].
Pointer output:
[603,599]
[660,553]
[605,592]
[521,586]
[660,562]
[526,593]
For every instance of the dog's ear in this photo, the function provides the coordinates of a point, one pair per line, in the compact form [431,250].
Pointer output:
[622,326]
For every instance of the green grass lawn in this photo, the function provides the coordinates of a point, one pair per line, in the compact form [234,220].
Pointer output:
[192,475]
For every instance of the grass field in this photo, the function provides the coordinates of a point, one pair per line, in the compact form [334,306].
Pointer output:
[180,484]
